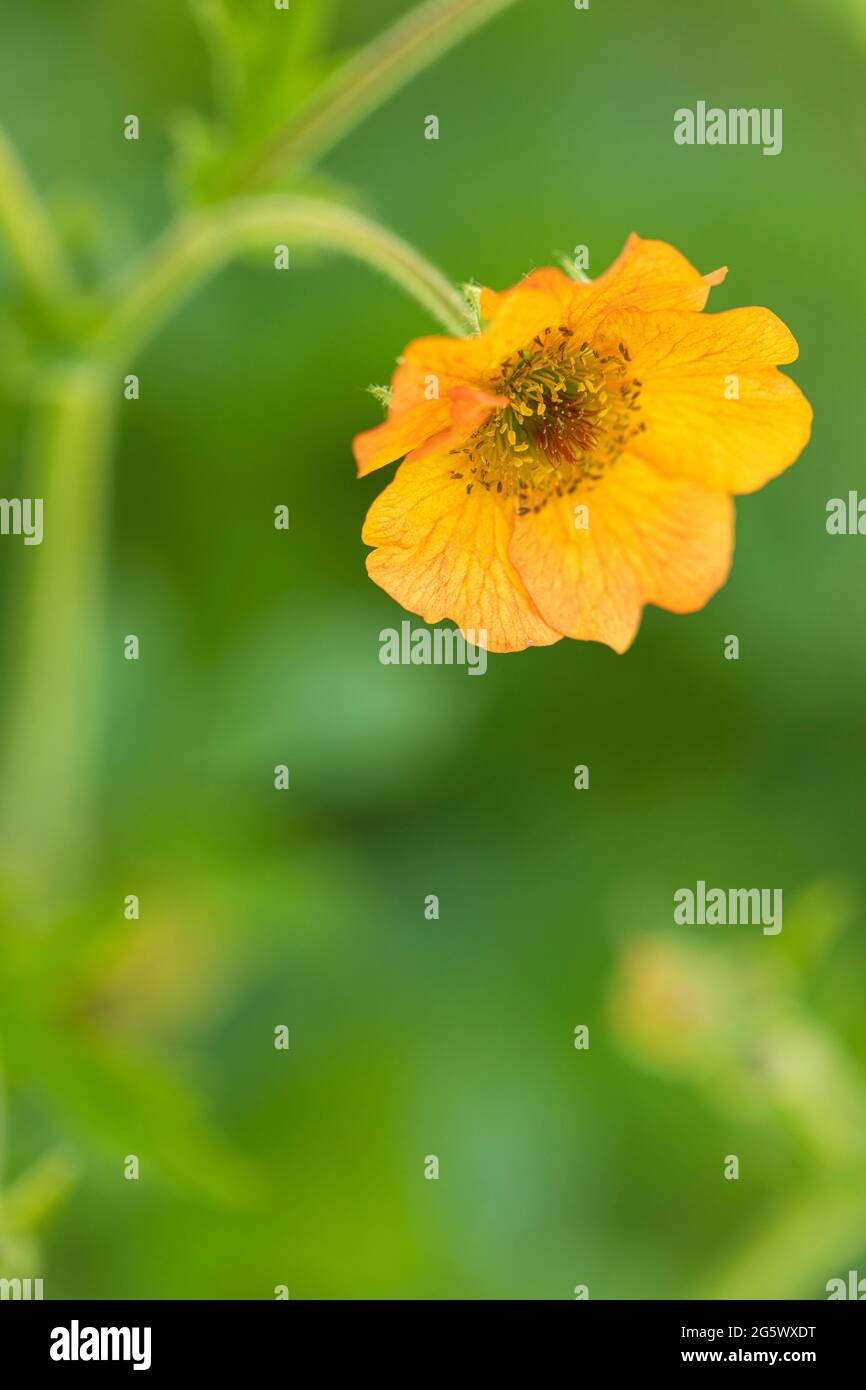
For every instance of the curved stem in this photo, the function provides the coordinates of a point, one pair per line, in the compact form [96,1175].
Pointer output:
[205,241]
[367,80]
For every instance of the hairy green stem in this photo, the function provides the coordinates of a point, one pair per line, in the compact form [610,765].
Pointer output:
[366,81]
[205,241]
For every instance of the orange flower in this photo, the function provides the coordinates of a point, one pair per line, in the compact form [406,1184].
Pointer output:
[574,461]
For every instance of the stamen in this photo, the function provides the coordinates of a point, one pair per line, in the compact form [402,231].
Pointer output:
[571,412]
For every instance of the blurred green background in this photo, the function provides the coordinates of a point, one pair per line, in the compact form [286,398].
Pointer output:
[258,647]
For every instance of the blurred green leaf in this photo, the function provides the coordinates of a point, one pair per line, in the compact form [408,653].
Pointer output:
[120,1100]
[266,64]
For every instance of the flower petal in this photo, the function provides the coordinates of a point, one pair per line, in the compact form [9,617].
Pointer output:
[415,413]
[433,367]
[443,553]
[522,318]
[645,275]
[403,431]
[651,539]
[554,284]
[654,275]
[470,408]
[689,365]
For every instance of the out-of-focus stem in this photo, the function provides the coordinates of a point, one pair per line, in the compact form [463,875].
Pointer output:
[205,241]
[46,832]
[367,80]
[45,827]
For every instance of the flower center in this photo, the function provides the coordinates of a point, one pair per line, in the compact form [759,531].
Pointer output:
[571,412]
